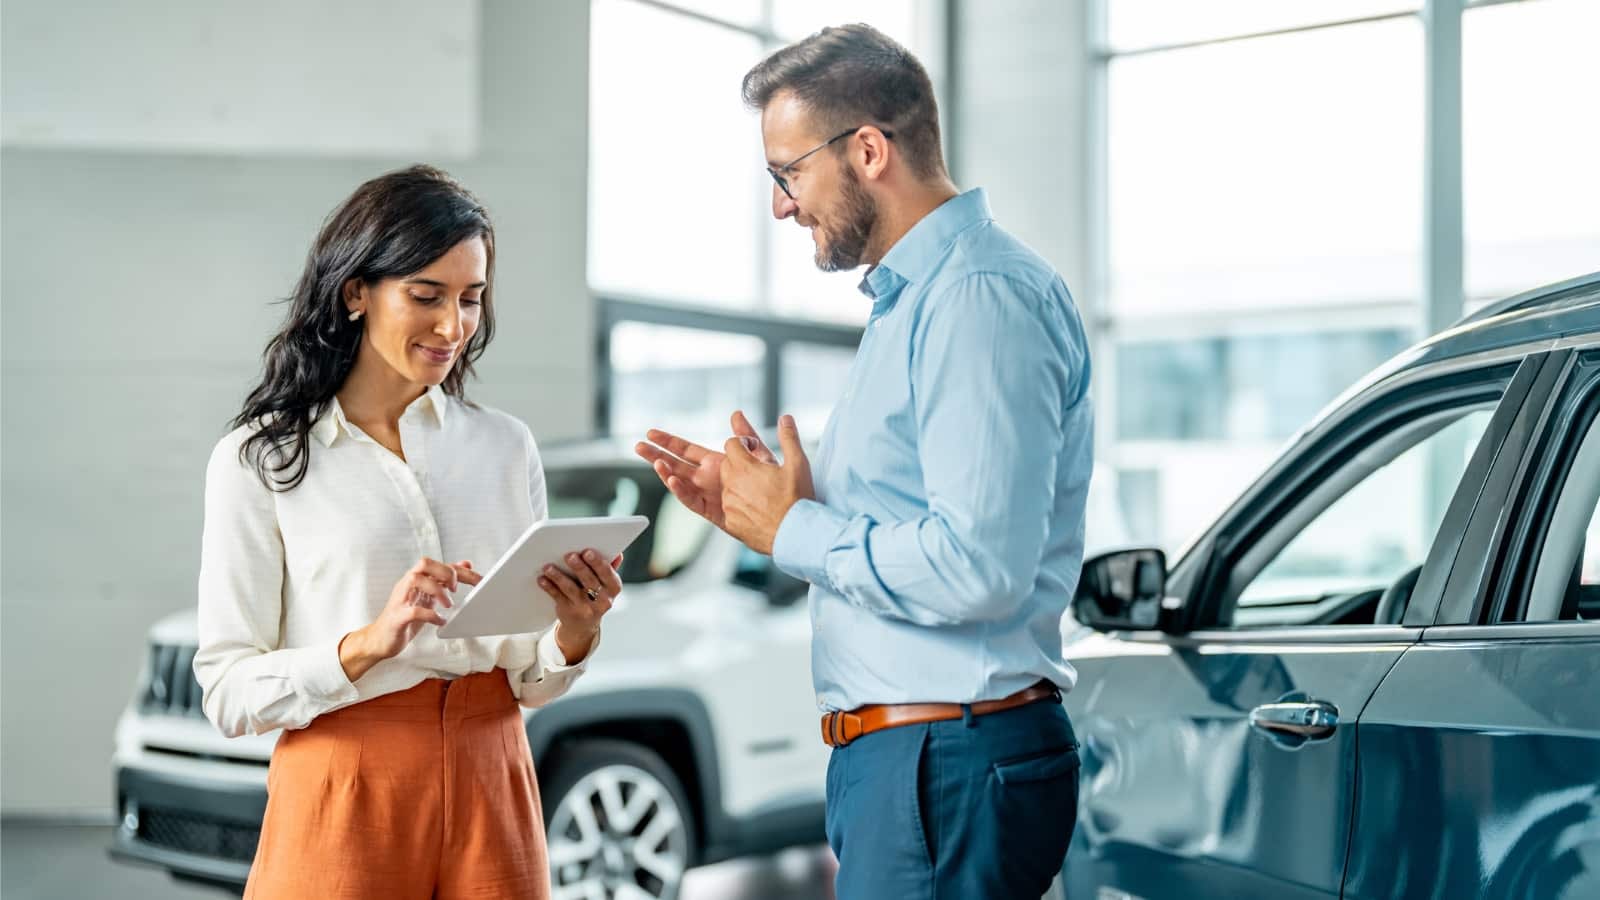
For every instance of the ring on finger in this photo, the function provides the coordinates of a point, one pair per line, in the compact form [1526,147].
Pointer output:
[593,594]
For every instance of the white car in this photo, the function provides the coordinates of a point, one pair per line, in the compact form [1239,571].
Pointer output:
[692,738]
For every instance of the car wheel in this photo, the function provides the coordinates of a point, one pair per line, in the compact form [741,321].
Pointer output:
[618,822]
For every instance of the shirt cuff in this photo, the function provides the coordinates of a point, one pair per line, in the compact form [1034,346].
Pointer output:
[318,674]
[806,534]
[551,661]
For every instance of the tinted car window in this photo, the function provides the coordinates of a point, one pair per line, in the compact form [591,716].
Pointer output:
[675,535]
[1566,581]
[1378,530]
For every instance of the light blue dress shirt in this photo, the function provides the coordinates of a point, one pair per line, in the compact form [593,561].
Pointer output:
[947,537]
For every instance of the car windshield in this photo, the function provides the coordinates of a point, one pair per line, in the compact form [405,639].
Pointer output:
[675,534]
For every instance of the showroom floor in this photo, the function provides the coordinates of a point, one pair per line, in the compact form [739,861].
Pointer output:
[69,862]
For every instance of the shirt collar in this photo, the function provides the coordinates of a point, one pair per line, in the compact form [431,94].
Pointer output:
[332,422]
[918,250]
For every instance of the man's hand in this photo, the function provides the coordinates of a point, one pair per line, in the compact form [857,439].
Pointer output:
[757,492]
[694,473]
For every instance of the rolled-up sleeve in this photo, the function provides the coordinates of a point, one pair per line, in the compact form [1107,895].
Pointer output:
[249,685]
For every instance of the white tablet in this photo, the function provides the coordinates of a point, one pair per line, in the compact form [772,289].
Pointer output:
[509,599]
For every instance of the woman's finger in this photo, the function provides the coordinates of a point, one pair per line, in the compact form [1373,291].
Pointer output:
[588,579]
[550,589]
[606,575]
[424,587]
[419,614]
[466,574]
[436,570]
[563,582]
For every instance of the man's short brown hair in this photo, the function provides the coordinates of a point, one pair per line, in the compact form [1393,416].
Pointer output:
[852,75]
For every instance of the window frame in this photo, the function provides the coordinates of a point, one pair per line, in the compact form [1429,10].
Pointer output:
[1202,577]
[775,333]
[1568,415]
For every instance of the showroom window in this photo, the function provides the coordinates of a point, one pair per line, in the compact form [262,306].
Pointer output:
[1264,242]
[680,219]
[1530,138]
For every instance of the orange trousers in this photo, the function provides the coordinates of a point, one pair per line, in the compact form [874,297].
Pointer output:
[426,793]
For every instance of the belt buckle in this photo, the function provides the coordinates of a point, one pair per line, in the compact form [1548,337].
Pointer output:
[835,729]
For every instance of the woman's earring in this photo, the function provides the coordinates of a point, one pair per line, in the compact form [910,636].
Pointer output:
[355,315]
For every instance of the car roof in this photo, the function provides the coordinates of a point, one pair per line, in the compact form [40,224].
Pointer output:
[1559,310]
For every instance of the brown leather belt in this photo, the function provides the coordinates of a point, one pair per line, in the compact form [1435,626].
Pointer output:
[840,728]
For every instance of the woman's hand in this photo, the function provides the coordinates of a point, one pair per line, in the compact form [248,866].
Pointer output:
[413,603]
[581,600]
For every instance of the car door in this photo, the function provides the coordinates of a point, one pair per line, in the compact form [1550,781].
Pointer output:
[1480,752]
[1220,760]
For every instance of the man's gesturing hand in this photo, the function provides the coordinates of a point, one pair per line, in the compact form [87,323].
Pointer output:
[694,473]
[757,492]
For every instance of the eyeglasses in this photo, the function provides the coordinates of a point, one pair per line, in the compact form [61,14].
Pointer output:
[778,173]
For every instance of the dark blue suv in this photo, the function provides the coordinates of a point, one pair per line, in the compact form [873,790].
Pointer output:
[1377,674]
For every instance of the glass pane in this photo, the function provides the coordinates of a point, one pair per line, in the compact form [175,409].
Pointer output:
[1170,491]
[675,165]
[1566,581]
[1589,575]
[685,380]
[1148,23]
[1230,189]
[800,289]
[738,12]
[1531,184]
[1377,531]
[814,377]
[1244,387]
[1197,420]
[795,19]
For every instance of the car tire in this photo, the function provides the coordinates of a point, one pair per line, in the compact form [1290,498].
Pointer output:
[616,815]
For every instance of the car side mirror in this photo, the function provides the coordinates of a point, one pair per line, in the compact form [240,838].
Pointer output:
[1122,590]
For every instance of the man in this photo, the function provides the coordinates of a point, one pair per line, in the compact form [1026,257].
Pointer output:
[943,534]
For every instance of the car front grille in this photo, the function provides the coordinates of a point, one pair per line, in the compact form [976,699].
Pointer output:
[172,689]
[200,835]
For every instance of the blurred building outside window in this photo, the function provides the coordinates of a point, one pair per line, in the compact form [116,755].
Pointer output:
[1264,216]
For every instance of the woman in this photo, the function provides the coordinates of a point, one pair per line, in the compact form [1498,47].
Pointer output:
[356,467]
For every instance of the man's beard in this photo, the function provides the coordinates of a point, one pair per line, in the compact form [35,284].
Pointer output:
[858,213]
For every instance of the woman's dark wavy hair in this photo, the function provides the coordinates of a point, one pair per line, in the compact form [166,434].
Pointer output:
[392,226]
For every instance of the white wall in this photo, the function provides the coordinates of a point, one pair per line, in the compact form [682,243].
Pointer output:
[136,284]
[302,77]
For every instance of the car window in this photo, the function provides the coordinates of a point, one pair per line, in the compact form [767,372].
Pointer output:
[1566,581]
[1350,551]
[675,535]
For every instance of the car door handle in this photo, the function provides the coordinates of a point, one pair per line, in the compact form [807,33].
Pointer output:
[1294,721]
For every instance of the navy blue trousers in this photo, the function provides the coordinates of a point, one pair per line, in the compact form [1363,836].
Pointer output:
[980,808]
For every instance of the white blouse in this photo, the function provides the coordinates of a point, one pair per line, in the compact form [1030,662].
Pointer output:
[285,576]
